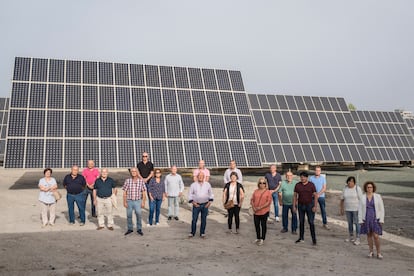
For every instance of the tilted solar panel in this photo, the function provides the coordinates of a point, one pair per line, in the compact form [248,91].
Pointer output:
[295,129]
[64,112]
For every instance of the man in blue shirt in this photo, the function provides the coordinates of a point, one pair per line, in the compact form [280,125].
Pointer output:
[320,183]
[274,179]
[102,191]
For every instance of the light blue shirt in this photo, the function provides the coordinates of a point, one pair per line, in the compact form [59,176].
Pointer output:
[318,182]
[47,197]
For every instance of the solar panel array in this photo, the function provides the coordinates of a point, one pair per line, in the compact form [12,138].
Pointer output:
[4,113]
[385,135]
[294,129]
[64,112]
[410,124]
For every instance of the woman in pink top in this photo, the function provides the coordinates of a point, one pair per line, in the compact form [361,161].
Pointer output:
[260,202]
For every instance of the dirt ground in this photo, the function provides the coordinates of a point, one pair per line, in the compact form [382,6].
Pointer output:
[27,249]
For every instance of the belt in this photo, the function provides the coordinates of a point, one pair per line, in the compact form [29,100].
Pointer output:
[104,197]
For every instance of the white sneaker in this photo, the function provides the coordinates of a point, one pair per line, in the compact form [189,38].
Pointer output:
[260,242]
[148,225]
[157,223]
[277,219]
[350,239]
[357,241]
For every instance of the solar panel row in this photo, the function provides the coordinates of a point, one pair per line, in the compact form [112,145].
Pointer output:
[385,135]
[64,112]
[293,129]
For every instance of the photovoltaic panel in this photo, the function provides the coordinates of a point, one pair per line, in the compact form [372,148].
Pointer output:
[64,112]
[410,124]
[385,134]
[4,116]
[295,129]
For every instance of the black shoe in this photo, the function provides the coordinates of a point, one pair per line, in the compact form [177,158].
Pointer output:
[169,218]
[128,232]
[314,243]
[176,218]
[299,240]
[95,216]
[140,232]
[283,231]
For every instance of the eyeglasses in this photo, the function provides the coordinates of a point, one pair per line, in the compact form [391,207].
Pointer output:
[145,156]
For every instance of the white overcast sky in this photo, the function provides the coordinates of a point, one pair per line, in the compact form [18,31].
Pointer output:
[362,50]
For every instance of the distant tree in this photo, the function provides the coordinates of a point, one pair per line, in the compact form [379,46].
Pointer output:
[351,107]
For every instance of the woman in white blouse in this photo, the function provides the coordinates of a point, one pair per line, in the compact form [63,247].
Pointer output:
[47,185]
[350,198]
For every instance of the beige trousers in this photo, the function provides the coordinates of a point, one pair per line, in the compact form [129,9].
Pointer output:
[45,207]
[104,210]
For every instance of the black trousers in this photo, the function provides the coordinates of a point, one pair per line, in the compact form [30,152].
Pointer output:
[235,211]
[260,222]
[306,209]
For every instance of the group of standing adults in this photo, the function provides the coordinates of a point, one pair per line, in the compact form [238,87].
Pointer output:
[365,211]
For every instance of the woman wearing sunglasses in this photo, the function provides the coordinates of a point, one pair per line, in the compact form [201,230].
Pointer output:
[260,202]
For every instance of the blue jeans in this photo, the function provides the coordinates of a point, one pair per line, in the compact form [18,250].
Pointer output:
[87,193]
[352,217]
[154,204]
[136,206]
[306,209]
[80,202]
[321,202]
[204,212]
[275,196]
[285,217]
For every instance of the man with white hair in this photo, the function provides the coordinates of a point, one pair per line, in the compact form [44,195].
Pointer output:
[200,196]
[74,184]
[102,191]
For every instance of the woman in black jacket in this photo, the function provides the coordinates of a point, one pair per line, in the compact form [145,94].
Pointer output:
[233,195]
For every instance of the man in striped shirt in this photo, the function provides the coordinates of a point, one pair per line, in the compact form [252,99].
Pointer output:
[134,199]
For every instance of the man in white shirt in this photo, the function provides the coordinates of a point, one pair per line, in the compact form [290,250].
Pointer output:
[232,168]
[174,187]
[200,196]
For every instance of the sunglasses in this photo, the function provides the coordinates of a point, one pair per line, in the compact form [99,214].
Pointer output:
[145,156]
[262,182]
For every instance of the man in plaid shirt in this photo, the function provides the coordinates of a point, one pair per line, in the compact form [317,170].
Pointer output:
[134,199]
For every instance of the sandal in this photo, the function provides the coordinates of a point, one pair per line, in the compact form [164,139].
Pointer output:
[379,256]
[371,254]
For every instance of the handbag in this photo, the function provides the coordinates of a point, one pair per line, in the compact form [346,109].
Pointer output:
[230,203]
[57,195]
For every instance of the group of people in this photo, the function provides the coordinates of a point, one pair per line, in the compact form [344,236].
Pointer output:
[365,211]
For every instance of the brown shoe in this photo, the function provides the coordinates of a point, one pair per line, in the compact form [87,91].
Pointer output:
[110,228]
[100,228]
